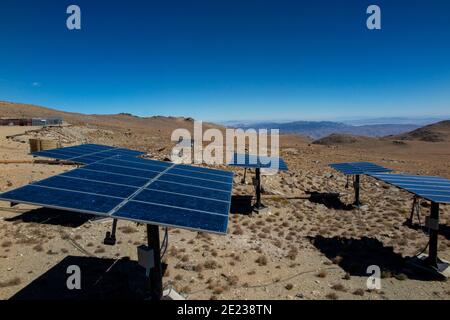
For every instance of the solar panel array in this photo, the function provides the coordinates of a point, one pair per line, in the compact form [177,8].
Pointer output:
[435,189]
[136,189]
[350,168]
[86,153]
[255,161]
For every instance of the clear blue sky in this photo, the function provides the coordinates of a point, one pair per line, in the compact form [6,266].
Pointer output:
[229,59]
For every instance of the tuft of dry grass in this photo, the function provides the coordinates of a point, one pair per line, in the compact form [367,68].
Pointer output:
[178,277]
[338,287]
[332,296]
[321,274]
[128,229]
[210,264]
[38,248]
[10,283]
[6,244]
[358,292]
[99,250]
[262,260]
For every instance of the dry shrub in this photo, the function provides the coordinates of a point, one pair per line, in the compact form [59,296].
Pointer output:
[210,264]
[321,274]
[238,231]
[289,286]
[338,287]
[332,296]
[261,260]
[292,254]
[358,292]
[38,248]
[6,244]
[99,250]
[178,277]
[10,283]
[128,229]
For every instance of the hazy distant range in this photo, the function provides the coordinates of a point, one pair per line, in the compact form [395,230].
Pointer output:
[377,127]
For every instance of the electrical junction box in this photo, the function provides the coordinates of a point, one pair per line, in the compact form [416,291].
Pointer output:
[145,257]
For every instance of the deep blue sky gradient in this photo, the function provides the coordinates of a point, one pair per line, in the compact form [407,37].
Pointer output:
[229,60]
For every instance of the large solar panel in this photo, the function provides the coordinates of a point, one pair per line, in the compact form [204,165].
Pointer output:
[86,153]
[255,161]
[351,168]
[435,189]
[136,189]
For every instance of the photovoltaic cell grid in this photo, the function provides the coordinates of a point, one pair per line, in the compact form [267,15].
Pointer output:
[350,168]
[435,189]
[254,161]
[139,190]
[86,153]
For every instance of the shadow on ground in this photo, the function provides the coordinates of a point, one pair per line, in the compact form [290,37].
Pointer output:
[355,255]
[53,217]
[100,279]
[241,205]
[330,200]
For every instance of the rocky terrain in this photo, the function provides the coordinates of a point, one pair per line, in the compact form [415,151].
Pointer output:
[310,244]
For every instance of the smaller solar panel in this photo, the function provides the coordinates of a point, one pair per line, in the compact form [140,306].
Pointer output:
[435,189]
[86,153]
[255,161]
[351,168]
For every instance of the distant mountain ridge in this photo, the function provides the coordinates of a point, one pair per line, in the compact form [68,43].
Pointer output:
[320,129]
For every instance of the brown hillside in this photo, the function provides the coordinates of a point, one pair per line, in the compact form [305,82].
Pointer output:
[122,122]
[339,139]
[436,132]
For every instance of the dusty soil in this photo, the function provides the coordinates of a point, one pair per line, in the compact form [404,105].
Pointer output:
[304,247]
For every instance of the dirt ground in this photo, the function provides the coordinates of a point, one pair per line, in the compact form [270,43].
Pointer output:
[306,246]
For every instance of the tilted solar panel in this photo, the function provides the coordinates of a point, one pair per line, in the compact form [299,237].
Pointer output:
[86,153]
[254,161]
[141,190]
[352,168]
[435,189]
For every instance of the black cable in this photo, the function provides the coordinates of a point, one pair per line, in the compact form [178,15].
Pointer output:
[165,243]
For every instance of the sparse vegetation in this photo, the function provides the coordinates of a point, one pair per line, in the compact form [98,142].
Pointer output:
[332,296]
[321,274]
[261,260]
[358,292]
[10,283]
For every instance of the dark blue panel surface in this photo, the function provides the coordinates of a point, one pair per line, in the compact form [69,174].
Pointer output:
[144,161]
[190,190]
[181,201]
[55,155]
[200,175]
[351,168]
[253,161]
[61,199]
[121,170]
[196,182]
[167,216]
[87,153]
[133,165]
[205,170]
[93,187]
[83,173]
[435,189]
